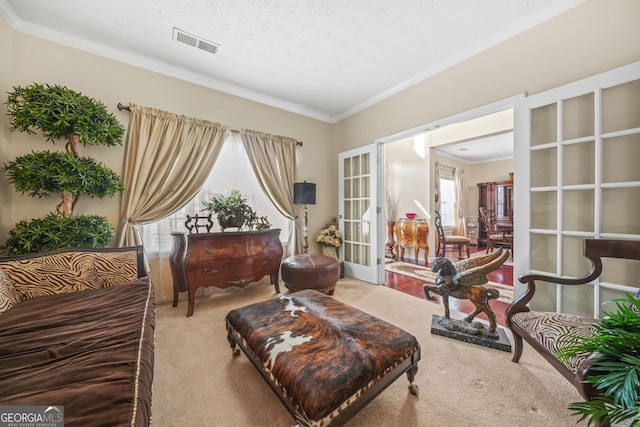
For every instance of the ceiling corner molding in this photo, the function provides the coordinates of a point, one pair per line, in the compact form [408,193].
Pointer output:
[8,14]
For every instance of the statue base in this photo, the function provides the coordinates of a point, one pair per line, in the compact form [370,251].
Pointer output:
[473,332]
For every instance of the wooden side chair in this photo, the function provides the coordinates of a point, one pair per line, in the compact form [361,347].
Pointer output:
[545,331]
[494,238]
[443,240]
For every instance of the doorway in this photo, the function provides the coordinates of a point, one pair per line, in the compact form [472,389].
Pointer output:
[480,141]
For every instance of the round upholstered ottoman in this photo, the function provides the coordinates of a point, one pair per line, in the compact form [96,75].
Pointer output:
[310,271]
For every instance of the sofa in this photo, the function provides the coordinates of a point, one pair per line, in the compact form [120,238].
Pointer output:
[77,332]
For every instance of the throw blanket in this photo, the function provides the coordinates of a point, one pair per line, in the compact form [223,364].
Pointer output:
[54,349]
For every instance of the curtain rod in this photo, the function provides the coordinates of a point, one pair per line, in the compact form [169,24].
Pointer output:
[121,107]
[440,165]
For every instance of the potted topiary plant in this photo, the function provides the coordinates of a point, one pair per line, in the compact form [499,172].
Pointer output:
[234,211]
[615,345]
[61,113]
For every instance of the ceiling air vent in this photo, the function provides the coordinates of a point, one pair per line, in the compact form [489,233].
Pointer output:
[195,41]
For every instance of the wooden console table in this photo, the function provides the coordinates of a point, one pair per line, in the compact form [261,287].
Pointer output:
[412,233]
[223,260]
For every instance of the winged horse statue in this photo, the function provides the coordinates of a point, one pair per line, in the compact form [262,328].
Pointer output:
[464,280]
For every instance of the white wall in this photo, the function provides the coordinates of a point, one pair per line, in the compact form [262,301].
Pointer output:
[406,172]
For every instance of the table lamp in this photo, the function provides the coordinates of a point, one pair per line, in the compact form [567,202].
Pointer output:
[304,193]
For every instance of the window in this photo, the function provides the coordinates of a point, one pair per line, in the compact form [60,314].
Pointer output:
[232,171]
[447,202]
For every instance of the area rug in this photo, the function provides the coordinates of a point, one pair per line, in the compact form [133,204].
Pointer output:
[424,273]
[198,382]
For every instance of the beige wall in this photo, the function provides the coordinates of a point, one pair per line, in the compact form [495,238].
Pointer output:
[6,66]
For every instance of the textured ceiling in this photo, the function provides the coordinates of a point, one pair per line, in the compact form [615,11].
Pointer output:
[325,59]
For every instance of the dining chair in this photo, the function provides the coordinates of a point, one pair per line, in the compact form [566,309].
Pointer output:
[442,240]
[495,237]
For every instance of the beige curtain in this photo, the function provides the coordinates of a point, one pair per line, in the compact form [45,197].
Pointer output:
[460,225]
[456,174]
[273,159]
[167,158]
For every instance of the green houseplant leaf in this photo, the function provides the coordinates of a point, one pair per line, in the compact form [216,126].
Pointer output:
[234,211]
[55,231]
[45,173]
[616,365]
[58,112]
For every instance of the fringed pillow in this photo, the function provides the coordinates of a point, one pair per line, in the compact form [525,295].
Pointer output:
[8,294]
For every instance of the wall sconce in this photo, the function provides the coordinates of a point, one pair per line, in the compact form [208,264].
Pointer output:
[304,193]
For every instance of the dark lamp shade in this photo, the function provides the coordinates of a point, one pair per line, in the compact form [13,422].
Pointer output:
[304,193]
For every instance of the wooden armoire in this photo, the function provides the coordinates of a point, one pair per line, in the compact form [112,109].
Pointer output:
[496,197]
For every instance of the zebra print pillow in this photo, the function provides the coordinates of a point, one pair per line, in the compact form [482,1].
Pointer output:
[70,272]
[8,295]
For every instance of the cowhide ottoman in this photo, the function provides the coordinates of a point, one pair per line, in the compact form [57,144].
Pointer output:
[324,359]
[310,271]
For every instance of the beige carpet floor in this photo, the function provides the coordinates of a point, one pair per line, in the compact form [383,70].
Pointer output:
[198,383]
[424,273]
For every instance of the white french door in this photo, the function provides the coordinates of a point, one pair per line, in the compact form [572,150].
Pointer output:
[359,212]
[576,157]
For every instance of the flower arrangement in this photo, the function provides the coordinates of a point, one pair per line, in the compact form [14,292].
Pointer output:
[329,236]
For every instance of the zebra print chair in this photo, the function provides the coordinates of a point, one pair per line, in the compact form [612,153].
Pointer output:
[542,330]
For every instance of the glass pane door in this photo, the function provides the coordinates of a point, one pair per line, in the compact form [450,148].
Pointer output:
[358,212]
[582,146]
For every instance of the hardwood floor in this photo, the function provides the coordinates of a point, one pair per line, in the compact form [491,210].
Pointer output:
[414,287]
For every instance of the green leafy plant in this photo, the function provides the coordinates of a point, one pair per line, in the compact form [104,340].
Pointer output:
[60,113]
[55,231]
[616,364]
[45,173]
[234,211]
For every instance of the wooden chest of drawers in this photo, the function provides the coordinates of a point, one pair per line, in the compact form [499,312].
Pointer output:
[223,260]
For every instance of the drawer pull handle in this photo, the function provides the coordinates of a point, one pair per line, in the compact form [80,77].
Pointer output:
[212,251]
[207,271]
[242,282]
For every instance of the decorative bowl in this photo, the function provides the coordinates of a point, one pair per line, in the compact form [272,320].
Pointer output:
[410,215]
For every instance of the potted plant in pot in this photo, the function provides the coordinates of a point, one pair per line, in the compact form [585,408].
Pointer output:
[615,345]
[60,113]
[234,211]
